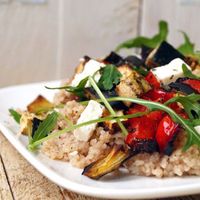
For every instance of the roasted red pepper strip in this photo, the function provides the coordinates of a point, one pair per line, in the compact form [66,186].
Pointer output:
[152,80]
[194,84]
[158,95]
[165,133]
[142,128]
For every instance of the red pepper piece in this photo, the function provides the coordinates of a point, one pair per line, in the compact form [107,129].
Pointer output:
[153,81]
[142,129]
[158,95]
[165,134]
[194,84]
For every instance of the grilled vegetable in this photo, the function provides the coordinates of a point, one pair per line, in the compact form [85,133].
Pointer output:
[39,105]
[90,93]
[163,55]
[186,85]
[131,84]
[114,58]
[29,123]
[112,125]
[186,89]
[166,133]
[80,67]
[109,163]
[134,61]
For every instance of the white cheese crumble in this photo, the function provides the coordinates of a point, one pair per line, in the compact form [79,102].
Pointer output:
[170,72]
[94,110]
[90,68]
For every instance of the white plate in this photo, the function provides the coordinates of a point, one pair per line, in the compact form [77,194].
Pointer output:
[123,187]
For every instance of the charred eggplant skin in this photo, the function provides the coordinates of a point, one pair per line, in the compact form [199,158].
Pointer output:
[90,93]
[164,54]
[35,123]
[181,87]
[114,58]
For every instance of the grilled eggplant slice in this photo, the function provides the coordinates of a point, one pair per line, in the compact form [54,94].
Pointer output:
[29,123]
[134,61]
[39,105]
[132,84]
[180,86]
[90,93]
[114,58]
[163,55]
[109,163]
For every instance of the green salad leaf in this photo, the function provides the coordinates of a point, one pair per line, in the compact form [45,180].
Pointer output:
[152,42]
[16,116]
[45,127]
[110,77]
[188,73]
[187,48]
[78,90]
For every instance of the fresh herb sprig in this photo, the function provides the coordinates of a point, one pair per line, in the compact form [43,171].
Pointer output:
[16,116]
[44,128]
[110,77]
[78,90]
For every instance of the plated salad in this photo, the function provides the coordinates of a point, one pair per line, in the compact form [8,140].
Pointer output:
[139,112]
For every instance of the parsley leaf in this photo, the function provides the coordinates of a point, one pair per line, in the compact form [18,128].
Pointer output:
[16,116]
[145,41]
[110,76]
[45,127]
[78,90]
[188,73]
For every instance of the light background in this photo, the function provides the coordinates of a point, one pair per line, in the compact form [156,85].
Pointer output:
[44,41]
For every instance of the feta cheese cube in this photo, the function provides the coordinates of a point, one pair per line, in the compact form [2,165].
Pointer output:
[170,72]
[90,68]
[94,110]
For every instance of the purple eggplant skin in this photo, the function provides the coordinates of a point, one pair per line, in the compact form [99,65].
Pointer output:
[170,146]
[144,146]
[114,58]
[145,51]
[134,61]
[35,124]
[90,93]
[181,87]
[164,54]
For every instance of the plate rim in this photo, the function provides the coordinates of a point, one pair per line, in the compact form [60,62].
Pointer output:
[171,191]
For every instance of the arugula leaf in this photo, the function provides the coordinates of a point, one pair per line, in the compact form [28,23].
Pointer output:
[78,90]
[45,127]
[188,48]
[16,116]
[188,73]
[145,41]
[110,76]
[190,103]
